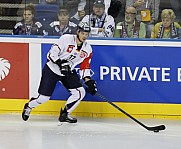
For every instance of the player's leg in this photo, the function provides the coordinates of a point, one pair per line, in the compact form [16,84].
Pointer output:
[34,102]
[72,102]
[72,83]
[46,88]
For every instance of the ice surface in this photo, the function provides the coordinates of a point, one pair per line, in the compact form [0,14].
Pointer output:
[43,132]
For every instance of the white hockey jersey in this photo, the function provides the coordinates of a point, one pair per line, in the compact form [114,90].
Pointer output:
[107,22]
[66,49]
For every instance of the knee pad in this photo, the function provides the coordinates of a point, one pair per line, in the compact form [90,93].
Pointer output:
[78,93]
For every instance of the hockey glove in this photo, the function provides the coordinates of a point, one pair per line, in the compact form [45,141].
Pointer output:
[91,87]
[64,67]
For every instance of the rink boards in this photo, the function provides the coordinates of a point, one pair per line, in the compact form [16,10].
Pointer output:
[143,77]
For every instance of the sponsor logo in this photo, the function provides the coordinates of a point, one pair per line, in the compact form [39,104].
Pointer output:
[14,70]
[83,54]
[91,71]
[4,68]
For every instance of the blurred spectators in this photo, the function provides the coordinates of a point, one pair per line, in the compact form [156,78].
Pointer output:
[63,25]
[130,28]
[112,7]
[167,28]
[28,26]
[46,13]
[78,16]
[147,12]
[72,6]
[102,24]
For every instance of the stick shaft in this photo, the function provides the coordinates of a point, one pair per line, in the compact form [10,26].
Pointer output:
[118,108]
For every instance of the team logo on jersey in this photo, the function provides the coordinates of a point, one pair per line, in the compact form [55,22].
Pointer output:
[4,68]
[83,54]
[70,48]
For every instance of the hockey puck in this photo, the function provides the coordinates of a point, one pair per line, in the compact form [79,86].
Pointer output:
[156,130]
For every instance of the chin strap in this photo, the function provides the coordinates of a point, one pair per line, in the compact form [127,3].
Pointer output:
[79,38]
[80,46]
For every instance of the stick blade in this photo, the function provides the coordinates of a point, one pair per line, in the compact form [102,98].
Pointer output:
[157,128]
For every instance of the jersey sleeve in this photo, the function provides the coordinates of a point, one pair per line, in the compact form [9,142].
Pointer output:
[56,50]
[85,67]
[109,27]
[17,28]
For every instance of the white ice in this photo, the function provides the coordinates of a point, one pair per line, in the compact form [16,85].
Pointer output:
[42,132]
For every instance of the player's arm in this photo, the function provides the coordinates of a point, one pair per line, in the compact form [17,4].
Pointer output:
[54,56]
[85,75]
[54,53]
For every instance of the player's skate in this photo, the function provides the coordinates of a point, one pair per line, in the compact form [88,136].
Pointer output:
[65,117]
[26,111]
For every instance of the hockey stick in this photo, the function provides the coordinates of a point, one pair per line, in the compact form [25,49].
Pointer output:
[155,128]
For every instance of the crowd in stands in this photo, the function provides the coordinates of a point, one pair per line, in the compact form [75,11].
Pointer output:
[107,18]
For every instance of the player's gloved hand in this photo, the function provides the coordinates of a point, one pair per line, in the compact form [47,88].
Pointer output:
[64,67]
[91,87]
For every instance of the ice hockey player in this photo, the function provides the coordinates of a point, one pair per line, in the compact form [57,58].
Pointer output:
[68,52]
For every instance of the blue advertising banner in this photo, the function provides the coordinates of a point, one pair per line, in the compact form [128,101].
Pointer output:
[146,74]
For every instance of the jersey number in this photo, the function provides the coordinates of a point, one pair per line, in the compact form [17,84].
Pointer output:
[72,57]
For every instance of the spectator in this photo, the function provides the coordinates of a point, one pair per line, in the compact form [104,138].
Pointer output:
[63,25]
[28,26]
[25,3]
[147,12]
[167,28]
[130,28]
[102,24]
[78,16]
[88,4]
